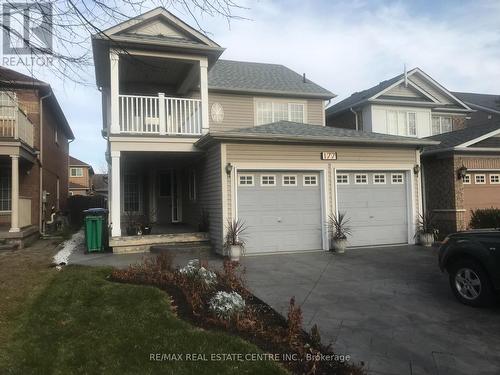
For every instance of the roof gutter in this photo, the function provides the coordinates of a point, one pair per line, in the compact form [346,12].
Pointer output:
[355,117]
[309,139]
[461,149]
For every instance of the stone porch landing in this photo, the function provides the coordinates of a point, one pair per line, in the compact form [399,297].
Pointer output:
[143,244]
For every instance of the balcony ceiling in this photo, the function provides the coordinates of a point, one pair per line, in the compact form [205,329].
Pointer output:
[141,71]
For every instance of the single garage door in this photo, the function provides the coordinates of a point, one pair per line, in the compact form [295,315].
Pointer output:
[376,204]
[481,190]
[282,210]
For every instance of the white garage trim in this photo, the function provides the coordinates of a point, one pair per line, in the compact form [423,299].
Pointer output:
[410,189]
[322,169]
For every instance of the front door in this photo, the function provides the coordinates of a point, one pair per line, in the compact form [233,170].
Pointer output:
[169,210]
[165,197]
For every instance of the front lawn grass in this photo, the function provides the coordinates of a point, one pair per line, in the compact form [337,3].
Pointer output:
[81,323]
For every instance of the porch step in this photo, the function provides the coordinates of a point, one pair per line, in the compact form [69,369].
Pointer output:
[202,248]
[8,246]
[142,244]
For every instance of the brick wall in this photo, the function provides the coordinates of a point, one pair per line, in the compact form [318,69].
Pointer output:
[458,122]
[55,161]
[84,180]
[440,185]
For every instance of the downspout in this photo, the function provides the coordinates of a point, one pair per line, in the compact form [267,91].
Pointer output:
[355,117]
[40,209]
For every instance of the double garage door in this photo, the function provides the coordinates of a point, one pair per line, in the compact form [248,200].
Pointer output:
[283,209]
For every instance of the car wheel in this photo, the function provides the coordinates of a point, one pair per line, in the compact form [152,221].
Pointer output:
[470,283]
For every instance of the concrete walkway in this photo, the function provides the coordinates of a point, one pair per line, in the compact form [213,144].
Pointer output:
[389,307]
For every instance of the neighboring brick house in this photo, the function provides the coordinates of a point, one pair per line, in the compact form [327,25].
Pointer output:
[486,108]
[462,174]
[411,104]
[34,135]
[80,177]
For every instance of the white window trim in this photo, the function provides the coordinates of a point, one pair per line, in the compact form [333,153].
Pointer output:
[310,176]
[267,175]
[71,169]
[246,175]
[360,183]
[440,117]
[274,101]
[467,182]
[379,183]
[408,124]
[397,182]
[479,183]
[342,175]
[497,175]
[289,175]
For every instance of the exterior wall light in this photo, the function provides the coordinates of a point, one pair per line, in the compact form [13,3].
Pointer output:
[416,169]
[461,172]
[229,168]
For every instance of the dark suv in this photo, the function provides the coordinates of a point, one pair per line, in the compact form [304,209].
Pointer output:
[472,260]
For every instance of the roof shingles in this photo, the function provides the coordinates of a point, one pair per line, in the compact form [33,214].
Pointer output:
[259,77]
[299,132]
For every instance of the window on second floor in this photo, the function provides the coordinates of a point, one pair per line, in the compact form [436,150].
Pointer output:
[402,123]
[273,111]
[76,172]
[441,124]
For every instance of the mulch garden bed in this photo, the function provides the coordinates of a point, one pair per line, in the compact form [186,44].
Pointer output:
[297,350]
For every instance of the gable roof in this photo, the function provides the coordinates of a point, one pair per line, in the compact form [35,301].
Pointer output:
[463,138]
[74,162]
[287,131]
[488,102]
[131,28]
[12,79]
[242,76]
[372,93]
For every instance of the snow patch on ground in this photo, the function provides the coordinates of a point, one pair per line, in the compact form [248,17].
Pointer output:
[68,247]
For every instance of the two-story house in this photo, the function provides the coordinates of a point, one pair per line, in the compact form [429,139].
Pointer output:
[462,172]
[410,104]
[195,141]
[80,177]
[34,135]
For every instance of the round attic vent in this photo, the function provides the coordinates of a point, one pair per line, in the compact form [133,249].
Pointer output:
[217,112]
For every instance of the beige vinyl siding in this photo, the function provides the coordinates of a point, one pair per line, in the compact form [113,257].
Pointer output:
[430,89]
[402,91]
[239,110]
[210,193]
[315,112]
[304,155]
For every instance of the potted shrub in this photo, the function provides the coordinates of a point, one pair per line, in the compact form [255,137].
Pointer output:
[339,230]
[426,230]
[235,242]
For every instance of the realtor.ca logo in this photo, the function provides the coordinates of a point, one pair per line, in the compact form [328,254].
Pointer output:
[27,34]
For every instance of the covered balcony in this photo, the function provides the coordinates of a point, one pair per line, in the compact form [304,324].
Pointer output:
[14,123]
[156,94]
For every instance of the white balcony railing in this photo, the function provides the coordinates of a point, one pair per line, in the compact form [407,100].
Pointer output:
[13,121]
[159,115]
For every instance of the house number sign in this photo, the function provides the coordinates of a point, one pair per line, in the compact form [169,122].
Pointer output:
[328,156]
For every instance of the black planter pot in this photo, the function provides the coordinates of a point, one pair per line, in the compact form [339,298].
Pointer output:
[146,229]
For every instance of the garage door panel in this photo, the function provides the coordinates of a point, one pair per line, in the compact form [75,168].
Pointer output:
[378,213]
[281,217]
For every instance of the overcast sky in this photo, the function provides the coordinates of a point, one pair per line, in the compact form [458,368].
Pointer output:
[342,46]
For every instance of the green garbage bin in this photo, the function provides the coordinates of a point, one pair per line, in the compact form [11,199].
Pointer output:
[96,229]
[93,233]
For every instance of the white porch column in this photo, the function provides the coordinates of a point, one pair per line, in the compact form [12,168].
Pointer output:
[162,113]
[114,64]
[204,95]
[14,195]
[115,195]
